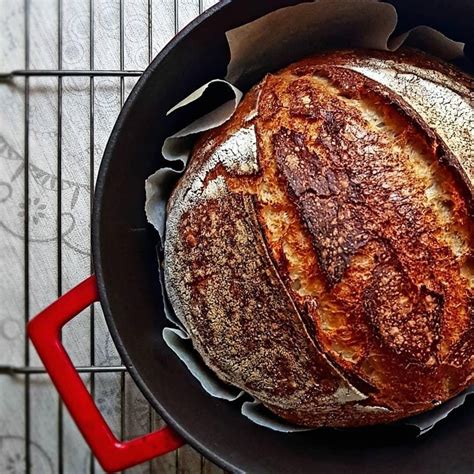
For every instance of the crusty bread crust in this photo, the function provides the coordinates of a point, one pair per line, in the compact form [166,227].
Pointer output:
[319,246]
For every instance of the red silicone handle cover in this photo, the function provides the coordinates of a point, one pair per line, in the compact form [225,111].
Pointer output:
[44,331]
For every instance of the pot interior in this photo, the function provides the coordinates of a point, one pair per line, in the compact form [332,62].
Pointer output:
[125,259]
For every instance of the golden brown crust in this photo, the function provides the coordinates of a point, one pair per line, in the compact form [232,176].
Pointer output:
[319,246]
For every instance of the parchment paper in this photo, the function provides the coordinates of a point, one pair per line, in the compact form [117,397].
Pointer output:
[159,185]
[264,45]
[291,33]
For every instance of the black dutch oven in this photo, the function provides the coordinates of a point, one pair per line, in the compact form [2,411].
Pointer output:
[126,283]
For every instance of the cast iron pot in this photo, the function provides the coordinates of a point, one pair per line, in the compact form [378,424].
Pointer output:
[126,283]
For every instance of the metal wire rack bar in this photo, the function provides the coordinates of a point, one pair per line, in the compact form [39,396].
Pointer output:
[26,237]
[91,195]
[59,210]
[68,73]
[89,369]
[122,93]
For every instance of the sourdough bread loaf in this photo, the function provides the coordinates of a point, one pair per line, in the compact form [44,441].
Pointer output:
[319,245]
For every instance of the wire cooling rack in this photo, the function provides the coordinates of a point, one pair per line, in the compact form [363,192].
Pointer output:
[66,67]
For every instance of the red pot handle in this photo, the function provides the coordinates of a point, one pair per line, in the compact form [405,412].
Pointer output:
[44,330]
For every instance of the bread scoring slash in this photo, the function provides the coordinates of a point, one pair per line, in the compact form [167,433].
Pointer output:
[319,246]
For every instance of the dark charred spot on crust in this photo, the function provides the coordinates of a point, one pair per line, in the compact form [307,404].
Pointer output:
[304,99]
[407,318]
[303,71]
[321,194]
[300,168]
[350,84]
[463,351]
[335,238]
